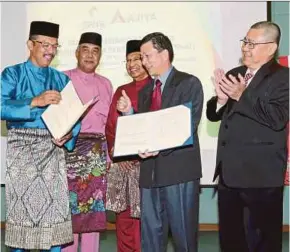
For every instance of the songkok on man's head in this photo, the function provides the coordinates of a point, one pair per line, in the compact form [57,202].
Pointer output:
[44,28]
[91,38]
[133,46]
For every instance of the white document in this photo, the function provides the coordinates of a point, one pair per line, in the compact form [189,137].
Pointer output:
[60,118]
[154,131]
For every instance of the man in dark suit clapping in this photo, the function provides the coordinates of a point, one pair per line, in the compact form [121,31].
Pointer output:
[252,102]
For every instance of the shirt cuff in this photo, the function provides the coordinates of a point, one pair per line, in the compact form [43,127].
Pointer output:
[130,112]
[218,107]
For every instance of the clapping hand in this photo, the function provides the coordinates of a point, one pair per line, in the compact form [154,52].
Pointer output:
[233,87]
[219,74]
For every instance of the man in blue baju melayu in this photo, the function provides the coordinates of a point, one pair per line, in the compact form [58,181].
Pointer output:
[37,202]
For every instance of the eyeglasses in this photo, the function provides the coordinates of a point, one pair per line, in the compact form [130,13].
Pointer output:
[251,45]
[46,45]
[134,60]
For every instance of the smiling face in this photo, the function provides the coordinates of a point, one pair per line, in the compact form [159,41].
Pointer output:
[156,62]
[88,56]
[261,53]
[134,66]
[42,50]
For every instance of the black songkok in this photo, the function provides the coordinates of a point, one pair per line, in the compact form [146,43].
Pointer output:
[91,38]
[44,28]
[133,46]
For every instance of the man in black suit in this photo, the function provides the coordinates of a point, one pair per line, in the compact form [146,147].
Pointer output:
[252,103]
[169,180]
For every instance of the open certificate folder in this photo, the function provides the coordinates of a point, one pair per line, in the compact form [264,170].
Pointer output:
[154,131]
[60,118]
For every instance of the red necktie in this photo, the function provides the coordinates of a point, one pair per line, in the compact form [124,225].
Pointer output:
[156,96]
[247,77]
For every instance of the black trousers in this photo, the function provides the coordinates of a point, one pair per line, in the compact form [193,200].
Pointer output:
[265,207]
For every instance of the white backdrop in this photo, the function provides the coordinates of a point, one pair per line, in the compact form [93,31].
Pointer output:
[205,35]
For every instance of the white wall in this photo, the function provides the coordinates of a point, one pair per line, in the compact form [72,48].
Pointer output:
[205,35]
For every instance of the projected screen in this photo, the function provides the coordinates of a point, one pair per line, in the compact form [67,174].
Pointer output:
[205,35]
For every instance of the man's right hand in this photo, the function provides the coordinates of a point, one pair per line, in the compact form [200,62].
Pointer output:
[219,74]
[124,104]
[60,142]
[46,98]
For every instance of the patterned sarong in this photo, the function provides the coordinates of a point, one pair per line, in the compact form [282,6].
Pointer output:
[87,183]
[37,199]
[123,190]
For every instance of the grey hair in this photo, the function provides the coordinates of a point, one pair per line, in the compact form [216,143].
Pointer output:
[33,37]
[271,30]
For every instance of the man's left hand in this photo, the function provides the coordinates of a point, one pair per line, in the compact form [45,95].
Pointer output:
[232,86]
[147,154]
[60,142]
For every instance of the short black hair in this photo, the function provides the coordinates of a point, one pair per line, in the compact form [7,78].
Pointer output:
[160,42]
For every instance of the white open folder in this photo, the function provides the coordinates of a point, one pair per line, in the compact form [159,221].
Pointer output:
[60,118]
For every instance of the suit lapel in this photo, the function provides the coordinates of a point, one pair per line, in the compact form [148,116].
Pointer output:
[258,78]
[169,88]
[262,74]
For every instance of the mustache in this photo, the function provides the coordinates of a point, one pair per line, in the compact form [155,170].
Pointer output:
[49,54]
